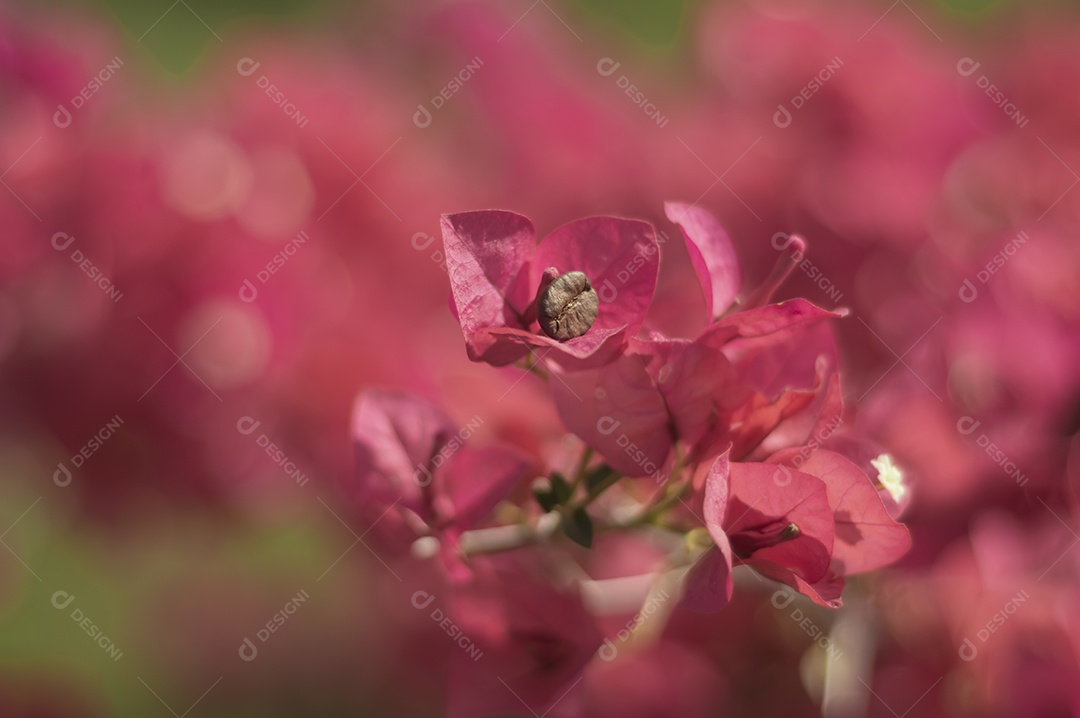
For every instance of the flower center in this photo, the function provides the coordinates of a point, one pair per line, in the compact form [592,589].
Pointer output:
[567,307]
[747,541]
[890,477]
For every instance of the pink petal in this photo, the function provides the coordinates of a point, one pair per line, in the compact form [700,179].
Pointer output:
[707,586]
[698,384]
[478,479]
[810,426]
[824,592]
[594,349]
[395,437]
[618,412]
[751,422]
[773,496]
[832,410]
[766,320]
[800,357]
[711,253]
[717,488]
[487,258]
[867,537]
[533,641]
[621,258]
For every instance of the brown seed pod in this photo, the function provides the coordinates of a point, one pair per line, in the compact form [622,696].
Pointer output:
[567,307]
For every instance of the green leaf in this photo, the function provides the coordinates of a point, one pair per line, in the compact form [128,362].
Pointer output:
[578,527]
[545,498]
[560,488]
[600,478]
[552,492]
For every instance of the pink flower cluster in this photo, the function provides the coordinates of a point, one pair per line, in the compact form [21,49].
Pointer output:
[717,451]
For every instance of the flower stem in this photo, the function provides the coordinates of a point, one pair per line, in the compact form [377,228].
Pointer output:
[506,538]
[579,476]
[532,365]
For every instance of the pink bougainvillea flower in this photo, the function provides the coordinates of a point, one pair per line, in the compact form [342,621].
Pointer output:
[867,537]
[774,519]
[744,375]
[711,254]
[807,527]
[634,410]
[497,269]
[737,382]
[412,458]
[532,641]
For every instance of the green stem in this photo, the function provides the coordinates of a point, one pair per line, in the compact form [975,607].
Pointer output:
[532,365]
[579,475]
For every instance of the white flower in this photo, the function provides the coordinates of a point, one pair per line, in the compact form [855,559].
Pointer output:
[889,476]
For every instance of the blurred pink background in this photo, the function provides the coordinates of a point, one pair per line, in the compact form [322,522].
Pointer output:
[222,222]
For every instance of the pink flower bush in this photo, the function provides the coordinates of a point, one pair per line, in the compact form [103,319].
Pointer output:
[641,490]
[728,440]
